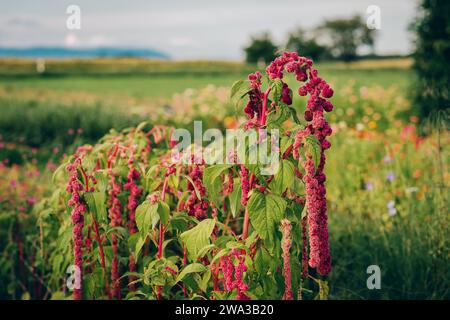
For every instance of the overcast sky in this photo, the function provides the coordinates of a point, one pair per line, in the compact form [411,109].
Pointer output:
[190,29]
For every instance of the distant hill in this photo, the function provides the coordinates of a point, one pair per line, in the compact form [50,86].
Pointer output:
[62,52]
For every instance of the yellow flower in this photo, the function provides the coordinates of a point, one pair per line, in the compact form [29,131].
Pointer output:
[372,125]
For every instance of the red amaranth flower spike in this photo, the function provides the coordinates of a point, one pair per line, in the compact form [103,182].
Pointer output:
[74,187]
[233,274]
[243,173]
[286,243]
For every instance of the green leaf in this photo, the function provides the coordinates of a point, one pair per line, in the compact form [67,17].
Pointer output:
[276,89]
[59,172]
[235,197]
[96,204]
[236,87]
[313,148]
[190,268]
[139,244]
[164,212]
[284,177]
[198,237]
[204,250]
[266,211]
[147,216]
[102,180]
[211,178]
[203,283]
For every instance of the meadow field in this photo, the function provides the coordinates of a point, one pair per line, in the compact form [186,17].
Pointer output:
[387,176]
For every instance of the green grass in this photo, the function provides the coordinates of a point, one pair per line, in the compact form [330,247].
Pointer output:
[137,86]
[164,86]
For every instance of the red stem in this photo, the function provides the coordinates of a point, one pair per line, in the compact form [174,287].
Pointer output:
[85,178]
[264,108]
[288,151]
[246,216]
[161,227]
[161,239]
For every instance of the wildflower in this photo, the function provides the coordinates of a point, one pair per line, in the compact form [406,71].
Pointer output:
[390,176]
[417,173]
[369,186]
[31,201]
[392,211]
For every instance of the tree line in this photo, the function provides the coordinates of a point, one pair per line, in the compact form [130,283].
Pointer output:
[332,39]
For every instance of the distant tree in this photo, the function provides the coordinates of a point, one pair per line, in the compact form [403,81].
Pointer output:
[345,36]
[432,54]
[305,44]
[261,49]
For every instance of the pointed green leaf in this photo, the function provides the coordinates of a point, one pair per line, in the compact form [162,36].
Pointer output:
[266,211]
[96,204]
[284,177]
[211,178]
[190,268]
[235,197]
[197,238]
[146,216]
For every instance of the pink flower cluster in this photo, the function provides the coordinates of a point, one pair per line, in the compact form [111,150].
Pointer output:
[228,187]
[254,103]
[79,208]
[233,275]
[195,206]
[243,173]
[286,243]
[304,248]
[316,205]
[292,63]
[135,193]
